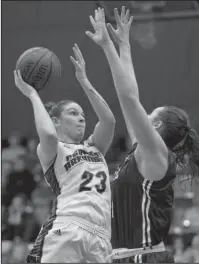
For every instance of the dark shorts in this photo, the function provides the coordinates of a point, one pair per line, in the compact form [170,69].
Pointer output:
[157,257]
[33,259]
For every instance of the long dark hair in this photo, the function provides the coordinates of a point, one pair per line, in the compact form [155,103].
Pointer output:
[181,138]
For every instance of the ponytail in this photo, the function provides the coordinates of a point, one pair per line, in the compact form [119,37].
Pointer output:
[49,106]
[188,147]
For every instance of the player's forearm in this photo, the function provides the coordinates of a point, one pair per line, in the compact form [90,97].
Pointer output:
[99,105]
[124,87]
[44,124]
[126,59]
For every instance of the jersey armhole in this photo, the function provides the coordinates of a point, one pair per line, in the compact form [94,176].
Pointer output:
[45,168]
[90,141]
[169,177]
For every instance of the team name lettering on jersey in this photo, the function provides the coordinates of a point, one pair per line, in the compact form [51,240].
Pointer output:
[82,155]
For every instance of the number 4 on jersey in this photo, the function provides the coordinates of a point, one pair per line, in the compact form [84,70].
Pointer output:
[87,177]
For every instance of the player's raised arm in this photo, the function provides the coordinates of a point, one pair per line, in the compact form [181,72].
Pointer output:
[104,130]
[150,143]
[121,37]
[44,125]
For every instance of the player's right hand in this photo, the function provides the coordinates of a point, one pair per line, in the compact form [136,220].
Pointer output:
[25,88]
[121,34]
[101,35]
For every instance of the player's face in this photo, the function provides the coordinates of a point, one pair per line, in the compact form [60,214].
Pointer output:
[72,121]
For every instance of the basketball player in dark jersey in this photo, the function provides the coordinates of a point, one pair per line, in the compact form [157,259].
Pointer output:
[142,193]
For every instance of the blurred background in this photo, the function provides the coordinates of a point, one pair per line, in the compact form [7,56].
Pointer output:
[164,40]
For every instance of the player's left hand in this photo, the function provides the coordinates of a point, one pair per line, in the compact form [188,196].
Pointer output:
[121,33]
[101,35]
[79,63]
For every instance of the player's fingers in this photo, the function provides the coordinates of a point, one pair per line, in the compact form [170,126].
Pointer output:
[80,54]
[122,13]
[99,11]
[117,17]
[111,30]
[15,77]
[19,76]
[96,15]
[74,61]
[79,51]
[126,18]
[130,21]
[15,74]
[77,56]
[90,35]
[103,14]
[93,23]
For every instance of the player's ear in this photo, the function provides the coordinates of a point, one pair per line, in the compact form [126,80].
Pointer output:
[158,124]
[56,121]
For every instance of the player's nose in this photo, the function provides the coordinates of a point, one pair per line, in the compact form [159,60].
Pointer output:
[81,119]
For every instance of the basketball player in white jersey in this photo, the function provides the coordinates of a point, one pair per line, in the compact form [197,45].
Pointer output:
[79,227]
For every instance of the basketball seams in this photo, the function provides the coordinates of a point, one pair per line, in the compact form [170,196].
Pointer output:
[49,74]
[37,64]
[25,54]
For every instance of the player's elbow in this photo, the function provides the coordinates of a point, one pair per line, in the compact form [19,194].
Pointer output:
[128,95]
[47,131]
[111,120]
[108,119]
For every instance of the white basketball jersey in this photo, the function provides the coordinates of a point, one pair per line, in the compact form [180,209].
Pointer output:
[80,178]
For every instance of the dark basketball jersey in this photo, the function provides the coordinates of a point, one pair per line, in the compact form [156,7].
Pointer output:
[141,209]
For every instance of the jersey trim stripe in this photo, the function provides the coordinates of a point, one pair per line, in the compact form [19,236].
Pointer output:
[146,225]
[36,252]
[147,213]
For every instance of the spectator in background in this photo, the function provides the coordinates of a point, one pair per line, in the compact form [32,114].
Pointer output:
[42,195]
[191,255]
[20,180]
[191,215]
[6,169]
[19,229]
[14,149]
[16,217]
[178,248]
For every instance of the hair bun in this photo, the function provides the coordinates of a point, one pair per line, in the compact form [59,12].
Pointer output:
[49,106]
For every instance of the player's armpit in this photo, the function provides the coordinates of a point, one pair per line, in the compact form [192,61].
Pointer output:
[103,135]
[152,166]
[47,157]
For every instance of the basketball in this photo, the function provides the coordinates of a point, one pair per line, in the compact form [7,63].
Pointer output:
[37,65]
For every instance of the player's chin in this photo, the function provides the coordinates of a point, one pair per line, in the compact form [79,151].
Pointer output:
[80,134]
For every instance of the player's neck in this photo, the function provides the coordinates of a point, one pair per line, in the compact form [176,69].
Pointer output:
[66,139]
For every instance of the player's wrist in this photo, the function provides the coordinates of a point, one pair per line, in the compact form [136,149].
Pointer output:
[124,44]
[83,79]
[33,94]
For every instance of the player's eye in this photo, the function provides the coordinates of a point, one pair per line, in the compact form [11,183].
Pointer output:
[74,113]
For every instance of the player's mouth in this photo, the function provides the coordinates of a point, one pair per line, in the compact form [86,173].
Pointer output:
[80,126]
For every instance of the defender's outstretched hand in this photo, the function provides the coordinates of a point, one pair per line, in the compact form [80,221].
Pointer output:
[101,35]
[121,34]
[23,87]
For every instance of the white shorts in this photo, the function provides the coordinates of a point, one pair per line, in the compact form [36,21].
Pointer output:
[76,241]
